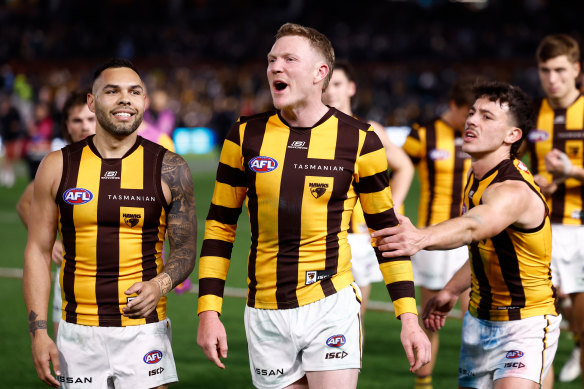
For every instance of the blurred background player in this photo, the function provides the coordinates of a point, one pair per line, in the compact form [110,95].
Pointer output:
[436,149]
[78,123]
[12,134]
[555,146]
[364,265]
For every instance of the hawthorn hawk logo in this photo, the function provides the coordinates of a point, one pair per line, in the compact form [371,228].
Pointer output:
[131,219]
[317,189]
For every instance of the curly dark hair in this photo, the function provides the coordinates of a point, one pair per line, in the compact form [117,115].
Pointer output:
[75,99]
[520,106]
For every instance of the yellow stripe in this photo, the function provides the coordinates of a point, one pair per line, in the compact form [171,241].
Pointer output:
[213,267]
[373,163]
[133,170]
[397,271]
[405,305]
[228,196]
[216,230]
[323,140]
[376,202]
[209,303]
[231,155]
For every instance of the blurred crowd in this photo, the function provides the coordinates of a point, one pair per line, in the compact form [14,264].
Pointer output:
[203,61]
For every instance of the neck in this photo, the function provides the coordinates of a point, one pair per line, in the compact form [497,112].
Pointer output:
[111,146]
[346,108]
[566,101]
[484,163]
[304,116]
[448,117]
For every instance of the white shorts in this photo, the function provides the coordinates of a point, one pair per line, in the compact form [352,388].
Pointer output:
[491,350]
[364,264]
[115,357]
[433,269]
[568,258]
[57,299]
[284,344]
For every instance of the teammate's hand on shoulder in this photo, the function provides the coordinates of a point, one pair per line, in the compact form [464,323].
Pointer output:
[149,294]
[415,342]
[211,337]
[45,353]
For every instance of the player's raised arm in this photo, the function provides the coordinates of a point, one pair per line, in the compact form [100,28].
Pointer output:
[37,266]
[177,185]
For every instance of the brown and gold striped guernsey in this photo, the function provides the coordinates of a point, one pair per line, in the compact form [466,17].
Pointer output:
[511,276]
[561,129]
[112,220]
[300,186]
[442,166]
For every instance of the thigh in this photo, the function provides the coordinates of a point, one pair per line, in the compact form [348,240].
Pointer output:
[473,368]
[568,258]
[274,359]
[338,379]
[332,338]
[83,357]
[142,355]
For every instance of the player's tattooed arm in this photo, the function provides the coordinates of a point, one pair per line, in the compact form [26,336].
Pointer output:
[181,222]
[34,324]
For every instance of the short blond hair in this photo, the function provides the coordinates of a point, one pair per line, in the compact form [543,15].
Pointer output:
[317,40]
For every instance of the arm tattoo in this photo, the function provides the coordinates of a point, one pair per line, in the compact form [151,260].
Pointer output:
[181,221]
[34,324]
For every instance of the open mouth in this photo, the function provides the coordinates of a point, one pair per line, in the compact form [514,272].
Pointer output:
[280,86]
[123,115]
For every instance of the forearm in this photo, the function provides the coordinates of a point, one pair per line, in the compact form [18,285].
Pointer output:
[36,287]
[400,185]
[460,281]
[449,234]
[576,173]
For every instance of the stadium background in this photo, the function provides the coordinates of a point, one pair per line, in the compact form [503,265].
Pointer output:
[209,56]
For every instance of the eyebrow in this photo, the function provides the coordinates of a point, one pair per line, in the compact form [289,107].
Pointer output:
[137,86]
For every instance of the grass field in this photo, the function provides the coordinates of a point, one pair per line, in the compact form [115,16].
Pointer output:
[384,362]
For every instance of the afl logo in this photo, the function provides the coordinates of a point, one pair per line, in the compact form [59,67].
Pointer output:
[522,166]
[514,354]
[336,341]
[263,164]
[437,155]
[77,196]
[153,357]
[538,136]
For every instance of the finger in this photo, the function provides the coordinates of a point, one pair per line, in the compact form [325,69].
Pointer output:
[409,353]
[211,353]
[223,347]
[135,288]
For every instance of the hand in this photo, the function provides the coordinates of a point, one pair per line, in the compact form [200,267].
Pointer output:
[57,255]
[415,342]
[547,188]
[149,294]
[211,337]
[558,164]
[44,351]
[401,240]
[437,309]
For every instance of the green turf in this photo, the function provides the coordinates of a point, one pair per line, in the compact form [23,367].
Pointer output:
[384,362]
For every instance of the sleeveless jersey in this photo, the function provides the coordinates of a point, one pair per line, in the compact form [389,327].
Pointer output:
[112,221]
[300,187]
[442,166]
[561,129]
[511,276]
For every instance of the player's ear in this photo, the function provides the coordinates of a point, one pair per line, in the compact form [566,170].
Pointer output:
[91,102]
[321,73]
[513,135]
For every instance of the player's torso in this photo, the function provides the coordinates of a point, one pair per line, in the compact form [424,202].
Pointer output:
[561,129]
[442,170]
[300,196]
[112,221]
[511,276]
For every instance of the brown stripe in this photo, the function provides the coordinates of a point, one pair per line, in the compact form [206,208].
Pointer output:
[153,156]
[223,214]
[430,145]
[252,142]
[559,196]
[71,162]
[211,286]
[374,183]
[216,248]
[107,250]
[378,221]
[509,264]
[345,153]
[230,175]
[401,289]
[371,143]
[458,177]
[289,223]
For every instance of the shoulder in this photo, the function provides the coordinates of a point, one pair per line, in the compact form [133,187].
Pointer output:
[256,117]
[50,171]
[350,121]
[172,160]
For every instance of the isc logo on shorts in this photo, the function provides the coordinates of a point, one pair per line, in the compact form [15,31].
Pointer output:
[77,196]
[152,357]
[336,341]
[263,164]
